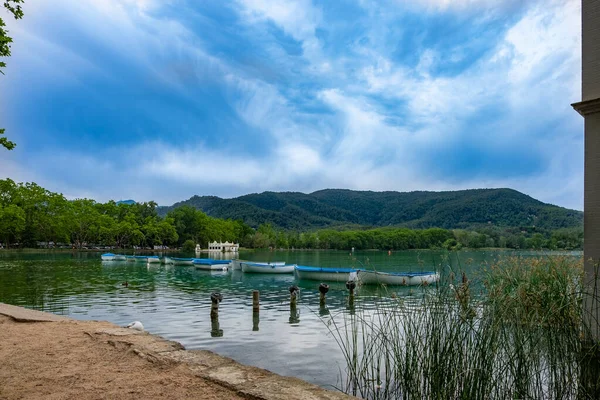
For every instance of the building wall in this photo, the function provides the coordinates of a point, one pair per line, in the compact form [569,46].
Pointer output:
[590,109]
[590,13]
[591,219]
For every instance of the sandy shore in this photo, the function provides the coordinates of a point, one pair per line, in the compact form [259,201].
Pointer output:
[66,360]
[45,356]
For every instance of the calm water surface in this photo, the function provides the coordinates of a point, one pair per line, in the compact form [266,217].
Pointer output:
[174,301]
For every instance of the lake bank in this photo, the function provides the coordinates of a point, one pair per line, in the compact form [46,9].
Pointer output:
[48,356]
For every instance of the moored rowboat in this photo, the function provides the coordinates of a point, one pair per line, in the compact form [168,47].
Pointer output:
[237,264]
[108,257]
[210,265]
[398,278]
[263,268]
[182,261]
[113,257]
[324,274]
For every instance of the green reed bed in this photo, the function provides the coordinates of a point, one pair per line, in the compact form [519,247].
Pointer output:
[518,336]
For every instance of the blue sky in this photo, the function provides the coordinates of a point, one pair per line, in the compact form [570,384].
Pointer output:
[164,99]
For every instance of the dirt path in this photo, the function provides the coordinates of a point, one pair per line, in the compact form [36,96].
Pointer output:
[63,360]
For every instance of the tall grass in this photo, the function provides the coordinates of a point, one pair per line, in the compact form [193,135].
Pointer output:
[519,338]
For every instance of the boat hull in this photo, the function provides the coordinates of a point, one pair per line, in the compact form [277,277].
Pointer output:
[260,268]
[212,267]
[398,278]
[120,257]
[237,264]
[153,260]
[108,257]
[324,274]
[182,261]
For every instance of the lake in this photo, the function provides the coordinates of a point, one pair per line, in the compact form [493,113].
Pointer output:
[174,301]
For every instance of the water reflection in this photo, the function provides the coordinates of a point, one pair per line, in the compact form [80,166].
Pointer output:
[255,321]
[215,328]
[294,315]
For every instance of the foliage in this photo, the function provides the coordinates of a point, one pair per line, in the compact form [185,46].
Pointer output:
[448,343]
[525,288]
[13,6]
[33,216]
[5,142]
[188,246]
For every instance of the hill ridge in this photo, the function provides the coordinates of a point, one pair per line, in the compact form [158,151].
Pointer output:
[339,208]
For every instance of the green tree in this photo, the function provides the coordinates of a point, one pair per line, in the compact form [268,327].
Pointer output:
[167,234]
[188,246]
[84,221]
[12,222]
[15,9]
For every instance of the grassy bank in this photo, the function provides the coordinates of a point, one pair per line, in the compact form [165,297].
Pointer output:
[520,336]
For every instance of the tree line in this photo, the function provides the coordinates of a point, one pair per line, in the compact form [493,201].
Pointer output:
[431,238]
[31,216]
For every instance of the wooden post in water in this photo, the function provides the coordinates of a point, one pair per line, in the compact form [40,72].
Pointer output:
[215,298]
[294,292]
[351,285]
[255,301]
[294,315]
[323,289]
[255,309]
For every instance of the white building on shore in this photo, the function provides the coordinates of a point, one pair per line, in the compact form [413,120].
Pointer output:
[223,247]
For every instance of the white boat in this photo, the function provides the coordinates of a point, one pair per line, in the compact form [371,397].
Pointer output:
[325,274]
[262,268]
[212,267]
[182,261]
[108,257]
[167,260]
[209,264]
[120,257]
[237,264]
[153,259]
[398,278]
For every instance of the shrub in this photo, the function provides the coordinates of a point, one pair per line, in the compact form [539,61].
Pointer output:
[188,246]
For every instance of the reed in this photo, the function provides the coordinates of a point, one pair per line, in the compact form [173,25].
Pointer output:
[520,338]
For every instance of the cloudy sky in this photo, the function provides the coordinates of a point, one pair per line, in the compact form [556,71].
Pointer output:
[165,99]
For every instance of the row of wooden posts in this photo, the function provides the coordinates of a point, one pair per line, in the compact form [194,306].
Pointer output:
[217,297]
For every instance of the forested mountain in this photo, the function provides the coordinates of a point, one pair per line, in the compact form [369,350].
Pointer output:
[347,208]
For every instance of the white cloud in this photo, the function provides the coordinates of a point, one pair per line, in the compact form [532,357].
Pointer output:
[297,18]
